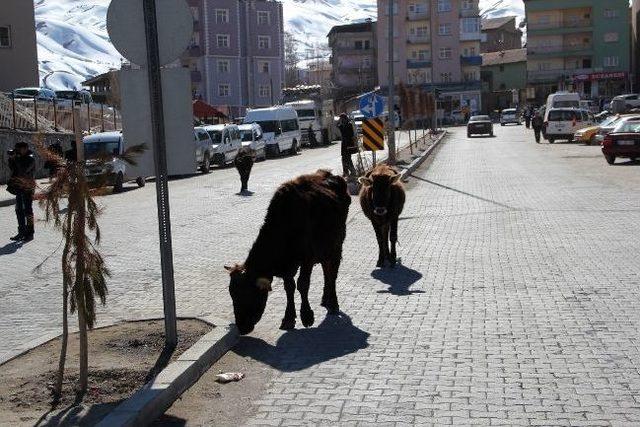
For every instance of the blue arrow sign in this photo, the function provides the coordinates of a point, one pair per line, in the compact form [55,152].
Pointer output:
[371,105]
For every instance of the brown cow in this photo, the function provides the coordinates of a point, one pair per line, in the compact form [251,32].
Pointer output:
[305,225]
[244,163]
[382,199]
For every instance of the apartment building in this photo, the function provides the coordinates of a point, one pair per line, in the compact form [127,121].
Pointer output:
[436,45]
[578,45]
[635,44]
[236,55]
[18,51]
[353,58]
[500,34]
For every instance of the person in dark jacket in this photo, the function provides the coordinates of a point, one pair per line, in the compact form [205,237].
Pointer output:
[348,145]
[22,165]
[537,123]
[244,163]
[527,117]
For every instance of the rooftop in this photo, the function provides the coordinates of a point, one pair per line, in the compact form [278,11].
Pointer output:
[495,23]
[359,27]
[504,57]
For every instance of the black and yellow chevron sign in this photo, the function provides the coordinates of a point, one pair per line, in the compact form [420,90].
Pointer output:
[373,134]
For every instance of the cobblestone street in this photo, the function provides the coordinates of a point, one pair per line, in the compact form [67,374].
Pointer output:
[516,302]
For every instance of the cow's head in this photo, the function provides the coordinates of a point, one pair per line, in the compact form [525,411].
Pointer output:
[380,180]
[249,296]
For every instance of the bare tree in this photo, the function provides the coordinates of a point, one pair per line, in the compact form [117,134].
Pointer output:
[291,59]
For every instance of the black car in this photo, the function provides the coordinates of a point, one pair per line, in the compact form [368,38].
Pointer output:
[479,125]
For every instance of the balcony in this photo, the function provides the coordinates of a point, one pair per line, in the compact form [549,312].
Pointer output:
[470,36]
[355,69]
[196,76]
[194,51]
[469,13]
[566,25]
[418,63]
[560,50]
[352,51]
[419,39]
[417,16]
[475,60]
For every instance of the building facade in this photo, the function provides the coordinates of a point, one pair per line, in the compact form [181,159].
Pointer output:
[236,55]
[18,49]
[504,78]
[635,45]
[353,58]
[578,45]
[436,45]
[500,34]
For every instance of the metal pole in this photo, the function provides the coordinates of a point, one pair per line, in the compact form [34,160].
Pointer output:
[115,118]
[55,116]
[391,95]
[13,110]
[160,161]
[101,117]
[35,112]
[89,118]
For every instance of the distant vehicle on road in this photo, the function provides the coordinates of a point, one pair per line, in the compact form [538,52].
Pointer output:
[589,135]
[563,123]
[479,125]
[310,116]
[624,141]
[608,127]
[101,151]
[280,127]
[226,143]
[510,115]
[252,138]
[39,93]
[204,149]
[622,103]
[83,96]
[589,105]
[563,100]
[357,118]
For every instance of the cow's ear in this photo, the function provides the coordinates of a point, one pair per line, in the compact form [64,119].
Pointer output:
[263,284]
[395,178]
[366,181]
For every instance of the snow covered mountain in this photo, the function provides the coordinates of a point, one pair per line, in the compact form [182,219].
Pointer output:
[73,43]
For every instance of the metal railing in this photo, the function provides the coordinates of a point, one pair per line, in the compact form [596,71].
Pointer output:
[536,50]
[566,23]
[417,16]
[418,39]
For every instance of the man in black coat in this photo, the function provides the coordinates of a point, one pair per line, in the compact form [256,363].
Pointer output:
[22,183]
[348,145]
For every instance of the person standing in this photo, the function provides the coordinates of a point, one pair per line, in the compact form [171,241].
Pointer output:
[527,117]
[537,123]
[22,183]
[348,145]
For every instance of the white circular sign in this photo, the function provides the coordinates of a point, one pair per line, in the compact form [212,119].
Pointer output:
[125,24]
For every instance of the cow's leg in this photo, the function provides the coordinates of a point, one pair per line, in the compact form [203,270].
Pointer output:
[379,237]
[329,297]
[384,240]
[289,321]
[304,281]
[393,237]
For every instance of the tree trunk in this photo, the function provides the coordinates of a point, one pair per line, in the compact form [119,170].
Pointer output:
[84,351]
[57,392]
[80,293]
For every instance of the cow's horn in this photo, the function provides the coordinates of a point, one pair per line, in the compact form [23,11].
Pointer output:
[264,284]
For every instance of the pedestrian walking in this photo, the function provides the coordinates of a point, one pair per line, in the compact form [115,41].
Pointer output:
[537,126]
[244,163]
[22,184]
[348,145]
[527,118]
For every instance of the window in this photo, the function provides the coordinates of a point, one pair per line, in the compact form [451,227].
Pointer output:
[445,53]
[469,51]
[195,12]
[5,36]
[470,76]
[222,40]
[264,91]
[610,13]
[289,125]
[264,17]
[222,16]
[224,90]
[358,44]
[444,29]
[502,68]
[466,4]
[611,61]
[420,8]
[265,67]
[264,42]
[445,77]
[420,55]
[444,5]
[611,37]
[223,66]
[470,25]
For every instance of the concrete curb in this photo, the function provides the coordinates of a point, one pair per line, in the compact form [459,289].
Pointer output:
[155,397]
[7,202]
[415,164]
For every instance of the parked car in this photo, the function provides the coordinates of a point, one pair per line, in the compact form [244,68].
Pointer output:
[280,128]
[624,141]
[251,136]
[562,99]
[608,127]
[563,123]
[101,151]
[602,116]
[589,135]
[39,93]
[204,149]
[226,143]
[621,103]
[357,118]
[83,96]
[510,115]
[479,125]
[589,105]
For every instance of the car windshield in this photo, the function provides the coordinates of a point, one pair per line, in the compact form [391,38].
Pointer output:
[216,136]
[566,104]
[27,92]
[270,126]
[628,126]
[509,111]
[609,121]
[306,113]
[479,119]
[246,135]
[95,150]
[67,94]
[562,116]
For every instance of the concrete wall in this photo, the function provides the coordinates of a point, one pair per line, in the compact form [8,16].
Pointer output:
[19,62]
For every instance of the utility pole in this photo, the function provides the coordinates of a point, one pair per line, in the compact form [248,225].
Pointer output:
[391,94]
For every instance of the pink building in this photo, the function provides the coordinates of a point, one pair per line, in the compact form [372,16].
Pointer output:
[436,45]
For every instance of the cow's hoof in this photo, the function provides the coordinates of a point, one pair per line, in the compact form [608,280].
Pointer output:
[288,324]
[392,262]
[380,263]
[333,308]
[307,318]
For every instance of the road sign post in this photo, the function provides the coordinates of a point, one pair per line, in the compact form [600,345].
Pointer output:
[391,86]
[373,134]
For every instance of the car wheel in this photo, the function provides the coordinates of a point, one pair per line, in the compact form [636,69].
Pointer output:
[491,133]
[206,164]
[501,124]
[294,147]
[140,181]
[551,140]
[118,184]
[468,134]
[610,159]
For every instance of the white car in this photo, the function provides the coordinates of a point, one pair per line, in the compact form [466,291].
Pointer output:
[280,127]
[204,149]
[251,135]
[628,101]
[510,115]
[101,151]
[226,143]
[563,123]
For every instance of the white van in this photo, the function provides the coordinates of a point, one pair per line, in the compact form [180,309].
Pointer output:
[563,100]
[309,117]
[280,128]
[252,138]
[226,143]
[563,123]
